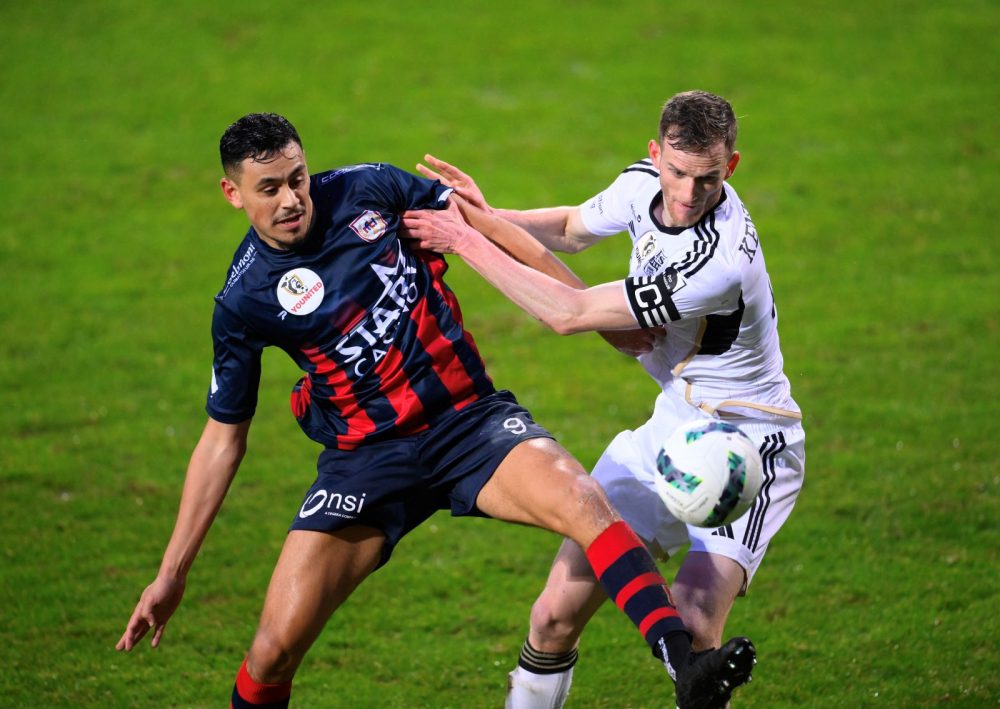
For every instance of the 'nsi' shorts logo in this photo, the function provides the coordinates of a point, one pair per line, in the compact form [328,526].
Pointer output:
[332,504]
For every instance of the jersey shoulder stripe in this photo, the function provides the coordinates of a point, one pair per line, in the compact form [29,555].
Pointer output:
[703,248]
[645,165]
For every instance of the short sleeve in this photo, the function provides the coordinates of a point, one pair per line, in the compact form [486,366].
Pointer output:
[408,191]
[713,290]
[607,213]
[232,396]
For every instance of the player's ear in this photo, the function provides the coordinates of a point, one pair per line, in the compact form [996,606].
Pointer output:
[733,162]
[231,191]
[654,151]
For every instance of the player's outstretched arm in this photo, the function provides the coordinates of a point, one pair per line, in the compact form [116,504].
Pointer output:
[557,228]
[518,243]
[523,247]
[210,472]
[528,236]
[562,308]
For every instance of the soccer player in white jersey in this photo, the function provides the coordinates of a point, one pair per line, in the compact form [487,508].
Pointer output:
[697,277]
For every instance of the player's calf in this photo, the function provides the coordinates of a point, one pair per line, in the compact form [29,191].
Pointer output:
[632,581]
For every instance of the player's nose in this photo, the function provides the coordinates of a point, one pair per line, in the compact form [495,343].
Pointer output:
[289,197]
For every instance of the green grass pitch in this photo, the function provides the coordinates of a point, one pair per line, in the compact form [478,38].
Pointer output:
[870,164]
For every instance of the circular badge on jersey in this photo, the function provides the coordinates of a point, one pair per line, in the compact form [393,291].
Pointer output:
[647,256]
[300,291]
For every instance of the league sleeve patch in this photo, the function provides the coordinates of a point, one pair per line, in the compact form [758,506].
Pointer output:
[673,280]
[370,226]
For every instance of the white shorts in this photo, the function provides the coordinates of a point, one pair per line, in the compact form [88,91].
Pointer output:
[626,468]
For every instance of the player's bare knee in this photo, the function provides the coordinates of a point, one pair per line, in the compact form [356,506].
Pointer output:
[589,509]
[270,660]
[586,494]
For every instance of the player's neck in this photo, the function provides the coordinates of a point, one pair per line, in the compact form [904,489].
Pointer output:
[662,215]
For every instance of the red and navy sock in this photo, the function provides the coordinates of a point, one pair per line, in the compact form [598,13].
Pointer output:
[251,694]
[631,579]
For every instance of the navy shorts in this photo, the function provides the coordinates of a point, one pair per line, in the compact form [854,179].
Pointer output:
[395,485]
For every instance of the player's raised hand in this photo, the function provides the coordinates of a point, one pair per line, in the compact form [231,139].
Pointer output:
[437,230]
[451,176]
[157,603]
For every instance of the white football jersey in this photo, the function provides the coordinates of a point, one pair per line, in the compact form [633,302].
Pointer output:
[721,347]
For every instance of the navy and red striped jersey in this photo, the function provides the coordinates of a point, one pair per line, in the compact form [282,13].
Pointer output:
[371,322]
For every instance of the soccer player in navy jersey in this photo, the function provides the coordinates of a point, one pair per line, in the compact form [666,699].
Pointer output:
[395,390]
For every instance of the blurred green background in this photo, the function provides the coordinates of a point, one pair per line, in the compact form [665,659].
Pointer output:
[868,134]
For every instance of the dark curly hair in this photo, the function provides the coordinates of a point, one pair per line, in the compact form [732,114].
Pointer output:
[694,121]
[255,136]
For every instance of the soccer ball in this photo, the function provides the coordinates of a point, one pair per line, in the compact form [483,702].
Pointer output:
[708,473]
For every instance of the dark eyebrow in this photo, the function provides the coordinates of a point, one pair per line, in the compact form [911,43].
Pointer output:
[264,181]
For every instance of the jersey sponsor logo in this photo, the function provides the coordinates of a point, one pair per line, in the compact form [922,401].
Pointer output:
[369,341]
[635,223]
[300,291]
[654,264]
[240,267]
[332,504]
[750,240]
[348,168]
[635,214]
[370,226]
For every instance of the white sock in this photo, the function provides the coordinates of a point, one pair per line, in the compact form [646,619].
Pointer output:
[527,690]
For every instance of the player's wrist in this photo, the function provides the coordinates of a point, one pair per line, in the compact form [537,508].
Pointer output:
[174,570]
[468,242]
[172,574]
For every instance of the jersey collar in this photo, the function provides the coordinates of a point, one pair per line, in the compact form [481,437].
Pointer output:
[658,199]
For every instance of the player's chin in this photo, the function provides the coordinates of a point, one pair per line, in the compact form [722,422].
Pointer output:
[286,240]
[687,216]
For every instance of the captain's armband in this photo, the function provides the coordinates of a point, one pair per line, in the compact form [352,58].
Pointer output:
[651,298]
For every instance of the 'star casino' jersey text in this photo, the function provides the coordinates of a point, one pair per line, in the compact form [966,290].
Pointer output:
[371,322]
[722,338]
